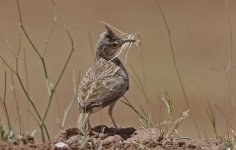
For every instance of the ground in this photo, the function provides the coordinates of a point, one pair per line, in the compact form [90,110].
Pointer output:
[103,137]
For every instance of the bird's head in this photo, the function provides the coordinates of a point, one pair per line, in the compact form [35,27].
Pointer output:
[109,43]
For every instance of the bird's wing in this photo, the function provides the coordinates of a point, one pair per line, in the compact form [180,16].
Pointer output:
[102,84]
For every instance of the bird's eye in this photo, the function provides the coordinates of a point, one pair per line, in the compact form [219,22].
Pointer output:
[116,44]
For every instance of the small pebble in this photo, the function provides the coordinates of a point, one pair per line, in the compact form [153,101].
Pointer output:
[61,146]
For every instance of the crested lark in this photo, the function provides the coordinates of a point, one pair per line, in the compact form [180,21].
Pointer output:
[105,82]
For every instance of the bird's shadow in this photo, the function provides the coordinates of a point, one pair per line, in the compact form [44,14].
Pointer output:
[102,132]
[111,131]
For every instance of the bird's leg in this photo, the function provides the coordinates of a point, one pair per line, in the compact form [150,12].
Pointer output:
[110,114]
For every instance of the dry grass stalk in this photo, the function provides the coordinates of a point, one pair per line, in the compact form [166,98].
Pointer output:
[176,66]
[177,123]
[229,68]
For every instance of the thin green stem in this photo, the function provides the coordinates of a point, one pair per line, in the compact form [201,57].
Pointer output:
[24,90]
[33,45]
[7,116]
[141,86]
[5,86]
[224,115]
[17,104]
[24,30]
[176,67]
[50,91]
[68,58]
[144,118]
[229,94]
[31,42]
[7,65]
[27,83]
[50,32]
[60,76]
[76,85]
[32,104]
[46,46]
[41,127]
[27,95]
[212,117]
[4,101]
[26,72]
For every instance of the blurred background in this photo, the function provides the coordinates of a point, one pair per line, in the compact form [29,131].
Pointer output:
[201,42]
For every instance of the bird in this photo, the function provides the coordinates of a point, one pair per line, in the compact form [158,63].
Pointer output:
[105,82]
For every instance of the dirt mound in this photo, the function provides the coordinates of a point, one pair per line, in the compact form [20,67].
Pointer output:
[104,137]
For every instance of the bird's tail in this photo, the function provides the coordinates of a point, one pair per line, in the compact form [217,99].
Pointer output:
[83,121]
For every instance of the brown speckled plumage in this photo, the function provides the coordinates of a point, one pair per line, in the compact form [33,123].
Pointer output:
[105,82]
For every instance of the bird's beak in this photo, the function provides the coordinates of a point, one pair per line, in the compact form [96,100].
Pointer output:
[128,41]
